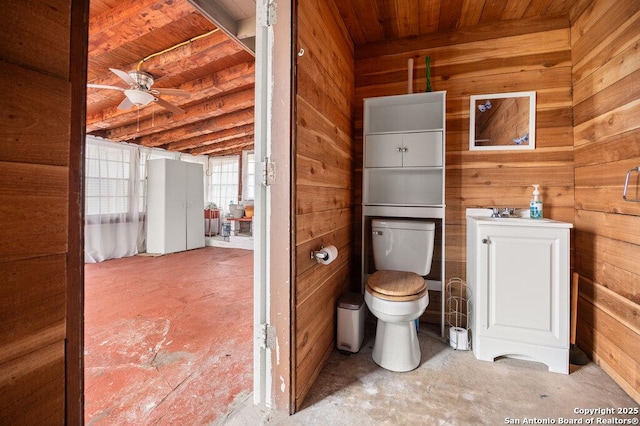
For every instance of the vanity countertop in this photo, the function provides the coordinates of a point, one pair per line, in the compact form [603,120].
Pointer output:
[484,215]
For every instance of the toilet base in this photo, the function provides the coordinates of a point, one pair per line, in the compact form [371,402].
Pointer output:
[396,346]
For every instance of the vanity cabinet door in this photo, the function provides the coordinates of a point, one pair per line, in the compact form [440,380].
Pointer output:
[524,294]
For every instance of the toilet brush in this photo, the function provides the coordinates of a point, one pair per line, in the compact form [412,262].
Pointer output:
[576,355]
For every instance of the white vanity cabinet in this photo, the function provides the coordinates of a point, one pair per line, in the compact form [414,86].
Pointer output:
[518,272]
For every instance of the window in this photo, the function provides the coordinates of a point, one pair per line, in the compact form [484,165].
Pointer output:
[248,175]
[223,181]
[109,180]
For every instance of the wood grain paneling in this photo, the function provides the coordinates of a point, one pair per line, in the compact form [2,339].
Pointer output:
[31,311]
[600,335]
[323,184]
[606,69]
[520,55]
[32,387]
[610,262]
[38,81]
[28,135]
[36,33]
[32,211]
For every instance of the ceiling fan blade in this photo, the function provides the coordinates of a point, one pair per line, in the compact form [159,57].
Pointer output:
[123,75]
[125,104]
[171,107]
[104,86]
[172,92]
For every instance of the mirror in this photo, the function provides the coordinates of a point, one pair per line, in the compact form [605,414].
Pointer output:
[503,121]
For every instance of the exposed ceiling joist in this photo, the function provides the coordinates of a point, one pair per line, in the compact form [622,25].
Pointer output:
[209,125]
[211,107]
[210,138]
[210,85]
[181,49]
[233,146]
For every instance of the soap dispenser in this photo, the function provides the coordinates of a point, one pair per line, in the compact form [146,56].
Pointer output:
[535,207]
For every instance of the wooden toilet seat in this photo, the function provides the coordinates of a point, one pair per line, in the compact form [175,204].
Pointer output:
[396,286]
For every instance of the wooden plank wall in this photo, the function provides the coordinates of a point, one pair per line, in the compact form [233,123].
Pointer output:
[323,183]
[37,181]
[519,55]
[606,97]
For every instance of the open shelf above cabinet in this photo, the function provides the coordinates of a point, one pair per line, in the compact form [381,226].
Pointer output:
[414,112]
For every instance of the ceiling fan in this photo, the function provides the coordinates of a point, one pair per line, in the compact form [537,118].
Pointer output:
[140,92]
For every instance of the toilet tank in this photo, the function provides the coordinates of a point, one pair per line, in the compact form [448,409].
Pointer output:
[403,245]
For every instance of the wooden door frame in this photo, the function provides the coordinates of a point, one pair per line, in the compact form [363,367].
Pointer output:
[74,341]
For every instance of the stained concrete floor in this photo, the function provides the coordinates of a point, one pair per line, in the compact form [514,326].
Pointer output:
[169,342]
[168,339]
[448,388]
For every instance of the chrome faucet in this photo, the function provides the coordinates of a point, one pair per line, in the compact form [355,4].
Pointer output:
[503,212]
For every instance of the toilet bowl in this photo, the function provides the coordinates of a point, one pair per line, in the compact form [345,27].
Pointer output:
[396,294]
[396,346]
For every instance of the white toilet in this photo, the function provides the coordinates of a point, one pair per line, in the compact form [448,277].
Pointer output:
[396,293]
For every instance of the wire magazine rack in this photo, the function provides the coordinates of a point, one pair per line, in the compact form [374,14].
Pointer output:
[458,313]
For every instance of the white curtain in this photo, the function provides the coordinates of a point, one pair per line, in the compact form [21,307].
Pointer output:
[223,177]
[116,194]
[112,211]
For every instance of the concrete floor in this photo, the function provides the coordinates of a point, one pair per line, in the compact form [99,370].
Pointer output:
[168,339]
[448,388]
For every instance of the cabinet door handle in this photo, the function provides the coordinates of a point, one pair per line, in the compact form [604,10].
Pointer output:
[405,149]
[399,149]
[485,241]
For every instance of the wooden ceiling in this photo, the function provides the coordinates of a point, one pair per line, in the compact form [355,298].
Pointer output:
[218,72]
[371,21]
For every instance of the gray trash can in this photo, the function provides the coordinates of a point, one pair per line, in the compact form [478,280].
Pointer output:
[351,315]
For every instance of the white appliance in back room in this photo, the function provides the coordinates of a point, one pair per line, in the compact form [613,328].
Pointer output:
[175,206]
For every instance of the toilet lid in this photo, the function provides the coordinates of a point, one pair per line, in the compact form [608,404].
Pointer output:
[396,285]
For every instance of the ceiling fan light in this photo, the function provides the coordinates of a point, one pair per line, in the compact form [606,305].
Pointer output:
[138,97]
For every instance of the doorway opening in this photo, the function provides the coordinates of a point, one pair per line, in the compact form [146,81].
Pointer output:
[163,332]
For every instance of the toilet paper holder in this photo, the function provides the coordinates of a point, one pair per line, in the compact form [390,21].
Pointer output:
[319,254]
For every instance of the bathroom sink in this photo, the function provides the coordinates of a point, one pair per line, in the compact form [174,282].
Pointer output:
[521,218]
[519,221]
